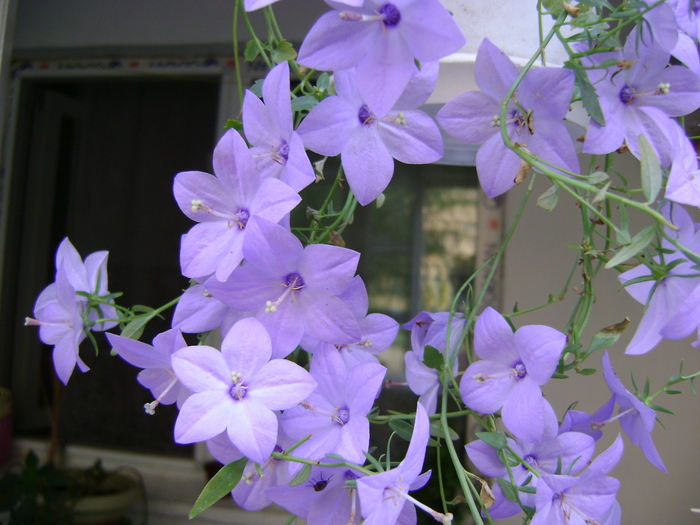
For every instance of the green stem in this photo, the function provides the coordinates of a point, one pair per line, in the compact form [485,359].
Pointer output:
[236,54]
[258,43]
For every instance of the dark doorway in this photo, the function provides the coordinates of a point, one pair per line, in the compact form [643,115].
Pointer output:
[95,160]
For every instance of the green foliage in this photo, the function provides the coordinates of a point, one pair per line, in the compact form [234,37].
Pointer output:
[433,358]
[494,439]
[221,484]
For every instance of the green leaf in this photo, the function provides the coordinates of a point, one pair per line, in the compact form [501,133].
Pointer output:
[623,236]
[301,477]
[376,464]
[494,439]
[661,409]
[433,358]
[436,428]
[610,62]
[233,124]
[304,103]
[607,336]
[510,491]
[652,177]
[586,371]
[557,375]
[284,51]
[589,97]
[673,392]
[324,80]
[597,176]
[548,200]
[256,88]
[134,329]
[600,196]
[553,7]
[251,51]
[402,428]
[221,484]
[636,245]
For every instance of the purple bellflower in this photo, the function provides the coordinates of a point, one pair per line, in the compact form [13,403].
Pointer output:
[474,117]
[293,288]
[269,127]
[683,184]
[638,97]
[336,413]
[63,316]
[378,331]
[58,314]
[580,500]
[512,369]
[367,138]
[251,492]
[430,329]
[672,301]
[223,205]
[383,40]
[157,374]
[384,495]
[252,5]
[237,390]
[636,419]
[569,451]
[324,499]
[199,311]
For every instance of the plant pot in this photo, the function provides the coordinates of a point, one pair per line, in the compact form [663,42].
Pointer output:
[118,493]
[5,424]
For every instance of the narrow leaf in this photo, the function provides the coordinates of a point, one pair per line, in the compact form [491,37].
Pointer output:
[233,124]
[494,439]
[433,358]
[301,477]
[402,428]
[638,243]
[510,491]
[221,484]
[596,177]
[548,200]
[589,97]
[306,102]
[607,336]
[651,169]
[586,371]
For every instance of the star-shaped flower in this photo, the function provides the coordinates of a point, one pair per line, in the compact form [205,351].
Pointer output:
[383,40]
[509,376]
[536,122]
[237,390]
[223,205]
[269,127]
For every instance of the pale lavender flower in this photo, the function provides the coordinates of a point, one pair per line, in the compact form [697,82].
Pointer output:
[636,419]
[367,138]
[157,374]
[639,99]
[512,369]
[251,492]
[383,40]
[672,298]
[581,500]
[385,495]
[294,288]
[269,127]
[683,184]
[378,331]
[198,311]
[58,313]
[336,413]
[63,316]
[568,452]
[237,390]
[474,117]
[430,329]
[252,5]
[324,499]
[223,205]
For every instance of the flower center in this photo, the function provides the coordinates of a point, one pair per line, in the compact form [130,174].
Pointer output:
[391,15]
[530,460]
[519,370]
[627,95]
[365,116]
[241,218]
[238,390]
[282,153]
[293,283]
[341,416]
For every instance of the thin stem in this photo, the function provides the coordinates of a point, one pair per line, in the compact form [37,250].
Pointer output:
[236,56]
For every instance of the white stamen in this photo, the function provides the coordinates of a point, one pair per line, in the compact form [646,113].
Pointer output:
[664,88]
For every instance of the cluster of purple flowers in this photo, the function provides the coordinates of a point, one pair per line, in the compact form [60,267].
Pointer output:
[269,294]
